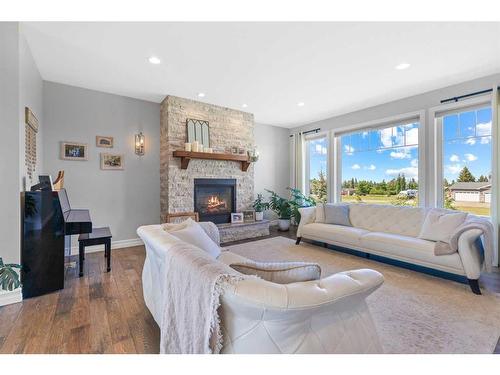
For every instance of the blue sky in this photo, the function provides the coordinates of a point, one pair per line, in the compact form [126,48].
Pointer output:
[383,154]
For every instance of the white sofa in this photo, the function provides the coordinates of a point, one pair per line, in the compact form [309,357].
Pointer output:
[391,232]
[329,315]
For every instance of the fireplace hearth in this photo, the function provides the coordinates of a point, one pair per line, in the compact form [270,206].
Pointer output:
[215,199]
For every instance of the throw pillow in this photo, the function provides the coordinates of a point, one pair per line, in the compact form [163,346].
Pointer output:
[320,213]
[439,225]
[337,214]
[194,234]
[280,272]
[171,227]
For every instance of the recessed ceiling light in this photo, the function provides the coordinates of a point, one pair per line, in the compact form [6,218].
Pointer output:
[201,94]
[244,105]
[154,60]
[301,104]
[402,66]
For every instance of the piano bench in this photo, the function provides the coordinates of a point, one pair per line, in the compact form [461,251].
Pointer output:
[98,236]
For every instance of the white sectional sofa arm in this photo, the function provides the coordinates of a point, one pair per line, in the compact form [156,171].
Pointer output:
[328,316]
[471,253]
[308,294]
[307,216]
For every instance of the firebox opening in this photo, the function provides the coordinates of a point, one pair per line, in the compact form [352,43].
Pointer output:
[215,199]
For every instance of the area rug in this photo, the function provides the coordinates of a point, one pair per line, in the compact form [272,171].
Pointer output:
[413,312]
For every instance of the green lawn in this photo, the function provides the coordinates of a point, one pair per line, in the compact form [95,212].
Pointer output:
[473,208]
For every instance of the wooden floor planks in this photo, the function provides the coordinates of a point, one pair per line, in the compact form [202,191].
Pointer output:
[98,313]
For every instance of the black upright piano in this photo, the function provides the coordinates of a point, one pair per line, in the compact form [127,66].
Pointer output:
[48,221]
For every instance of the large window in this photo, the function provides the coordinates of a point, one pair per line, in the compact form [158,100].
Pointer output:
[317,168]
[381,165]
[466,154]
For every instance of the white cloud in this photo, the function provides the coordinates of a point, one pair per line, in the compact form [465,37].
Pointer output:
[470,141]
[485,140]
[483,128]
[453,168]
[349,149]
[356,166]
[401,153]
[414,163]
[320,150]
[386,137]
[371,167]
[454,158]
[412,136]
[470,157]
[407,171]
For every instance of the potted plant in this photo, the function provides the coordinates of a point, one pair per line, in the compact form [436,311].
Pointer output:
[282,208]
[299,200]
[9,278]
[260,206]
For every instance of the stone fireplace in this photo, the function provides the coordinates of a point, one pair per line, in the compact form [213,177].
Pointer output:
[215,199]
[228,128]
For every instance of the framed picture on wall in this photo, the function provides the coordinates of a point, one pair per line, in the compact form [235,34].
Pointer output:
[111,162]
[101,141]
[74,151]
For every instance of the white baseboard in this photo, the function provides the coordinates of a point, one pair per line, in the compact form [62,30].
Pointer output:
[15,296]
[114,245]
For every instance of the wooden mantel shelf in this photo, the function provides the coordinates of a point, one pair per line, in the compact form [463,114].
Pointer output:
[186,156]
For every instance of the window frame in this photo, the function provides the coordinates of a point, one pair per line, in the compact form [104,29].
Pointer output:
[307,169]
[436,114]
[404,118]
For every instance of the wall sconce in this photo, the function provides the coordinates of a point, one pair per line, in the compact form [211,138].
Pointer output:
[139,144]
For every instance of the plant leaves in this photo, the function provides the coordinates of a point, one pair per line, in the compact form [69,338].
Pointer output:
[9,278]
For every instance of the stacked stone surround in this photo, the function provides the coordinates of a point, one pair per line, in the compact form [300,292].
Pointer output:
[228,127]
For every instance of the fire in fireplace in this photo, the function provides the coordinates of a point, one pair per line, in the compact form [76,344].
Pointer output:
[215,199]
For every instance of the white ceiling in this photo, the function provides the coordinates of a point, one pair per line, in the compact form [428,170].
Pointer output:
[333,68]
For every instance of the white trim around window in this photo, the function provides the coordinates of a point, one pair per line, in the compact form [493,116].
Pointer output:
[307,173]
[418,116]
[435,119]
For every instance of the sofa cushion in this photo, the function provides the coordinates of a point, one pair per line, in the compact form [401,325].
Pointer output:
[228,257]
[439,225]
[337,214]
[320,213]
[406,221]
[194,234]
[280,272]
[334,233]
[409,248]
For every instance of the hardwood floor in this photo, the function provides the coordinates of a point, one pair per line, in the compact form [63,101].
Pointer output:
[100,312]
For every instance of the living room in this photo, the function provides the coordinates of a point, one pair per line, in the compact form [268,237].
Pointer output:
[310,199]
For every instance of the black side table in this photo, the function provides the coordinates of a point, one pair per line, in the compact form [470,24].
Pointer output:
[99,236]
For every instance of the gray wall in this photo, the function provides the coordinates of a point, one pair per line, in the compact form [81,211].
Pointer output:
[122,200]
[406,105]
[9,152]
[272,171]
[30,95]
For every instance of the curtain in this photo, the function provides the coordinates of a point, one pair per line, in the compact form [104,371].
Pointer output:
[298,162]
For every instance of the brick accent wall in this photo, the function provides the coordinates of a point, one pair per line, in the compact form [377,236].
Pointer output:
[228,127]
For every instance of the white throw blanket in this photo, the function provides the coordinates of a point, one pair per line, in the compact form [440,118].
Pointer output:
[472,222]
[193,286]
